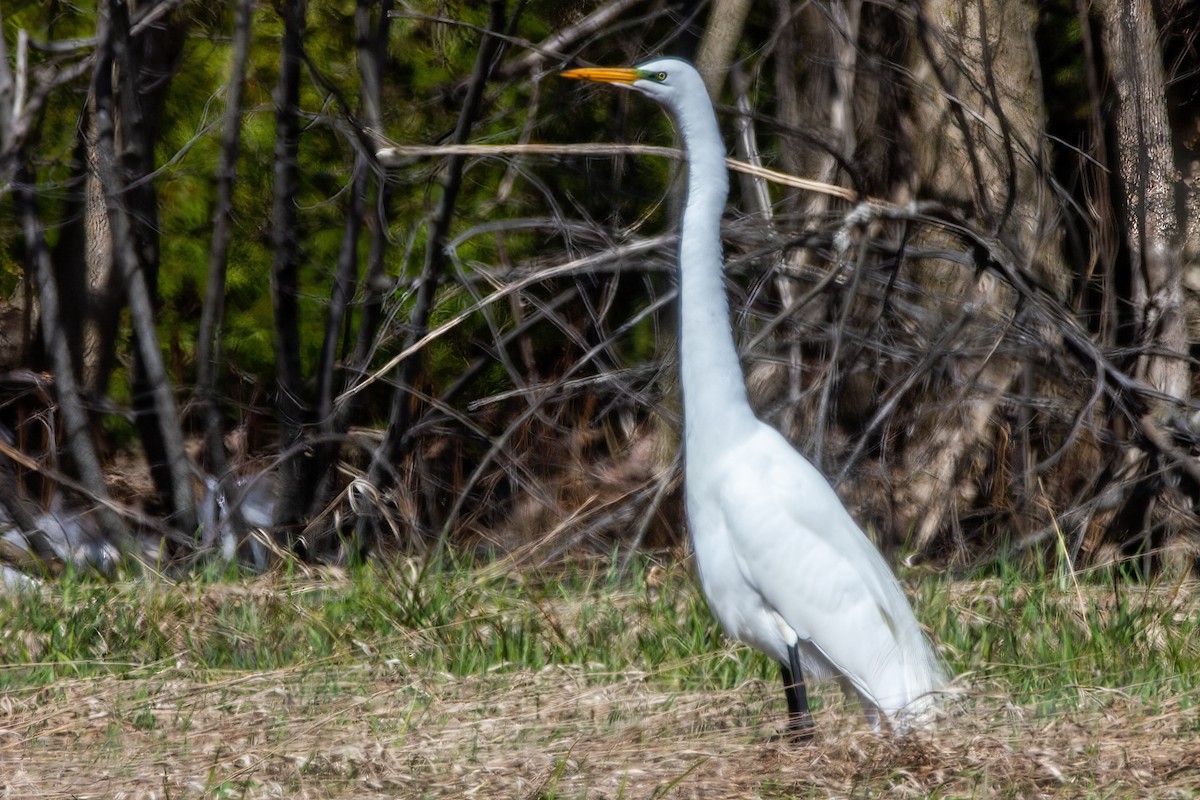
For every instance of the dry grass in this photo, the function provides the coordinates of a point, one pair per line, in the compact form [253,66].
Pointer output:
[332,686]
[373,732]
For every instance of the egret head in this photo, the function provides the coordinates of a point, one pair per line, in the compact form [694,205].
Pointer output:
[667,80]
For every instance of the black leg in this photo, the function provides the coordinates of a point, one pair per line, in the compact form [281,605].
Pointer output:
[800,722]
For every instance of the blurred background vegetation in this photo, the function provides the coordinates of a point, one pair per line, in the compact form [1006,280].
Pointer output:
[338,354]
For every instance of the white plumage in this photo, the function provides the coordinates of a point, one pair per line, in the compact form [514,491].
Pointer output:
[784,566]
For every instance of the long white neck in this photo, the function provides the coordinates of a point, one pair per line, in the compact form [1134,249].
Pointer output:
[715,406]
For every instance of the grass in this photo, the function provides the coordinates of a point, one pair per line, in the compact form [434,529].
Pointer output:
[453,620]
[415,681]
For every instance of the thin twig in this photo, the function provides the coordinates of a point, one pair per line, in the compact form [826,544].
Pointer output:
[397,155]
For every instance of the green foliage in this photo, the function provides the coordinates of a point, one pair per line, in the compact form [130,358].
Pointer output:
[1061,51]
[429,57]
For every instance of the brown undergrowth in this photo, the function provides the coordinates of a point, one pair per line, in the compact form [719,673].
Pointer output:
[380,731]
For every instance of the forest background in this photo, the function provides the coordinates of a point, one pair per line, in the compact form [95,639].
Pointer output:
[352,454]
[233,330]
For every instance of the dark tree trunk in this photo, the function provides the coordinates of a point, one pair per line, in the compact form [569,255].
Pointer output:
[392,449]
[310,481]
[69,255]
[344,280]
[77,432]
[372,58]
[208,338]
[372,24]
[285,282]
[136,256]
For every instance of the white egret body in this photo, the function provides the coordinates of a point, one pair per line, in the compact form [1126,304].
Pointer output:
[784,566]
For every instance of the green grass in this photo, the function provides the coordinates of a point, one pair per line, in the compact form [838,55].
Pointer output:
[1043,640]
[339,683]
[453,619]
[1057,641]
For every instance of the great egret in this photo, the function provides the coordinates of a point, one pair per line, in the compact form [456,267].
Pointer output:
[784,566]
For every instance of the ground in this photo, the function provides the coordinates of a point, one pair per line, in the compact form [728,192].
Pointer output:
[380,731]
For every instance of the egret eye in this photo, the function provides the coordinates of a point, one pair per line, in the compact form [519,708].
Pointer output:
[662,76]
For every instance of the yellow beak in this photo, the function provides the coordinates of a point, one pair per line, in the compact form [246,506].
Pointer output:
[625,75]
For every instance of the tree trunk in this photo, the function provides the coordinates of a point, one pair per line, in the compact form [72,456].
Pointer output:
[392,449]
[726,21]
[1147,203]
[324,451]
[208,340]
[1148,180]
[823,103]
[285,267]
[977,132]
[136,257]
[372,25]
[372,58]
[77,432]
[72,262]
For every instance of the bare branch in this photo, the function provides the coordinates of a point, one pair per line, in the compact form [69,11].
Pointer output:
[398,155]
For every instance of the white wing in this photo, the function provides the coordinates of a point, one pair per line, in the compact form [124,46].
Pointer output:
[800,551]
